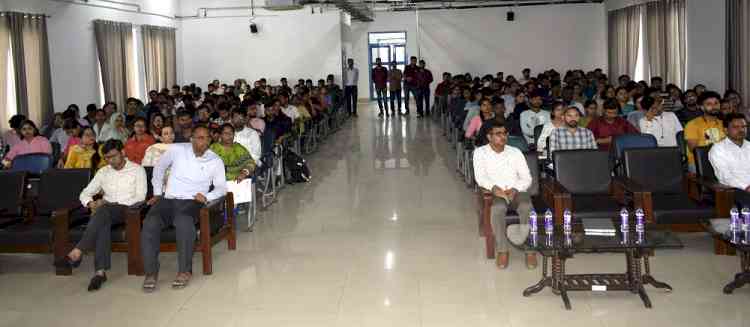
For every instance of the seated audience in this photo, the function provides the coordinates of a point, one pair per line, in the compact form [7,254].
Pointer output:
[49,130]
[571,136]
[607,127]
[246,136]
[238,162]
[135,147]
[13,135]
[502,170]
[624,103]
[186,193]
[592,112]
[157,123]
[183,127]
[156,150]
[534,117]
[276,121]
[485,114]
[558,110]
[31,142]
[58,134]
[663,125]
[87,153]
[730,156]
[100,125]
[691,109]
[706,129]
[122,184]
[116,129]
[252,119]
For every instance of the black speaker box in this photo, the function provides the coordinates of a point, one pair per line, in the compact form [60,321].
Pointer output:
[511,16]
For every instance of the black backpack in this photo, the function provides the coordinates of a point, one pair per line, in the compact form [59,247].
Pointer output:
[295,168]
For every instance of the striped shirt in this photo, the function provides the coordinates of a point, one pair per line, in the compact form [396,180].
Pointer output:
[562,139]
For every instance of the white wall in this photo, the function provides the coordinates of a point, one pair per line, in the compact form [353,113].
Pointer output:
[293,44]
[71,42]
[482,41]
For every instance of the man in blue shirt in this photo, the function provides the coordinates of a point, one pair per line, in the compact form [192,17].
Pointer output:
[193,169]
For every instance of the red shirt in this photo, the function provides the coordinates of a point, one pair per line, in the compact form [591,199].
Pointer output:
[135,150]
[443,88]
[602,129]
[424,78]
[380,77]
[410,75]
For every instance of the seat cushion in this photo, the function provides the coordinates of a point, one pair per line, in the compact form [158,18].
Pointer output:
[38,232]
[594,206]
[679,209]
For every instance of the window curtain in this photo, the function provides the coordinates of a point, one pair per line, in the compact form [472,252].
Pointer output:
[624,31]
[28,39]
[665,39]
[738,46]
[114,46]
[159,56]
[4,49]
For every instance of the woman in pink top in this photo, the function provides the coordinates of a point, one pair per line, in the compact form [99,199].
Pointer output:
[30,142]
[485,113]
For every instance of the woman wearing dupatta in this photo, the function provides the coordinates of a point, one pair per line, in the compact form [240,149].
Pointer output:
[238,163]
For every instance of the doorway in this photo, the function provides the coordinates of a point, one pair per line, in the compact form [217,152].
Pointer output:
[389,47]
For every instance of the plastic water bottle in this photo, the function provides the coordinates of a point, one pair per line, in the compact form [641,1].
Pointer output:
[734,224]
[533,222]
[624,216]
[745,212]
[548,224]
[567,222]
[640,228]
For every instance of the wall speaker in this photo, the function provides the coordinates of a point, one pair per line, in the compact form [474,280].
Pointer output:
[253,28]
[510,16]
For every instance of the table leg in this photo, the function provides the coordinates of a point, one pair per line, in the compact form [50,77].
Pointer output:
[647,278]
[561,285]
[742,278]
[637,277]
[546,281]
[556,274]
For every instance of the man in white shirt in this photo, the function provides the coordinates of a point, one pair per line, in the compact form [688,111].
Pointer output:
[351,77]
[246,136]
[664,126]
[288,109]
[503,171]
[193,169]
[123,184]
[730,157]
[533,117]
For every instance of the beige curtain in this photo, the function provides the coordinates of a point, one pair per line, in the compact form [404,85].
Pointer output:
[665,39]
[738,47]
[4,49]
[159,56]
[114,45]
[624,29]
[28,38]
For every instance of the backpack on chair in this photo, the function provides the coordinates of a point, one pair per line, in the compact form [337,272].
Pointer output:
[295,168]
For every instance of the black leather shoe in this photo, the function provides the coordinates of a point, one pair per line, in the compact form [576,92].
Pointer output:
[96,282]
[66,262]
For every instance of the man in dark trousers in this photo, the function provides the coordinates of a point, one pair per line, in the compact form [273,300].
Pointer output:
[351,76]
[424,79]
[380,79]
[411,80]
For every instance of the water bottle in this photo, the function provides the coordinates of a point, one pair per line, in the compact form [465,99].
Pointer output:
[533,222]
[548,224]
[567,222]
[745,222]
[640,228]
[624,225]
[734,224]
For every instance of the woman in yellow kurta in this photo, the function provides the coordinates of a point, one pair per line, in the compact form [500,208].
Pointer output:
[83,155]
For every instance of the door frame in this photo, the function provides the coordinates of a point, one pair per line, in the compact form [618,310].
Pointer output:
[370,64]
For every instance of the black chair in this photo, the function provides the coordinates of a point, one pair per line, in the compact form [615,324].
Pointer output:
[704,186]
[50,216]
[518,142]
[658,173]
[32,163]
[582,184]
[56,152]
[537,133]
[682,145]
[486,198]
[11,203]
[628,141]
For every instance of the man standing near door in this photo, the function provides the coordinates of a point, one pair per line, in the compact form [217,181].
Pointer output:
[411,84]
[425,79]
[380,79]
[394,78]
[351,76]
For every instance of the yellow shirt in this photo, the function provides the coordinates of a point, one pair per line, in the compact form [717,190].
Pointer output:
[79,157]
[704,130]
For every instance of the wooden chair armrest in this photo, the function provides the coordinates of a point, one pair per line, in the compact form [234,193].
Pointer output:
[557,197]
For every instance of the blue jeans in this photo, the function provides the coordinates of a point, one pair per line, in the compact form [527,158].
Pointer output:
[425,91]
[395,95]
[382,95]
[417,97]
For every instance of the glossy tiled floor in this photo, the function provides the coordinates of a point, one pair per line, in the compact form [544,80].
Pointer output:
[385,235]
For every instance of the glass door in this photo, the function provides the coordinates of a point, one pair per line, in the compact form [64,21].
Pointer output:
[389,47]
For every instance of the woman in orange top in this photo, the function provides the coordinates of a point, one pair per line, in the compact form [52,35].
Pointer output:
[135,147]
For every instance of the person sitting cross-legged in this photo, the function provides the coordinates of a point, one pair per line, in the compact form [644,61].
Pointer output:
[502,170]
[193,169]
[123,184]
[730,156]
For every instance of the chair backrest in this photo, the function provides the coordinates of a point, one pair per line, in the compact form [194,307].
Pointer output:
[149,186]
[682,146]
[12,183]
[518,142]
[628,141]
[532,160]
[703,167]
[583,172]
[34,163]
[60,188]
[658,170]
[537,133]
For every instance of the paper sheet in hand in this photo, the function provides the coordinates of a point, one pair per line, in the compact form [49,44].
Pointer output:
[242,191]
